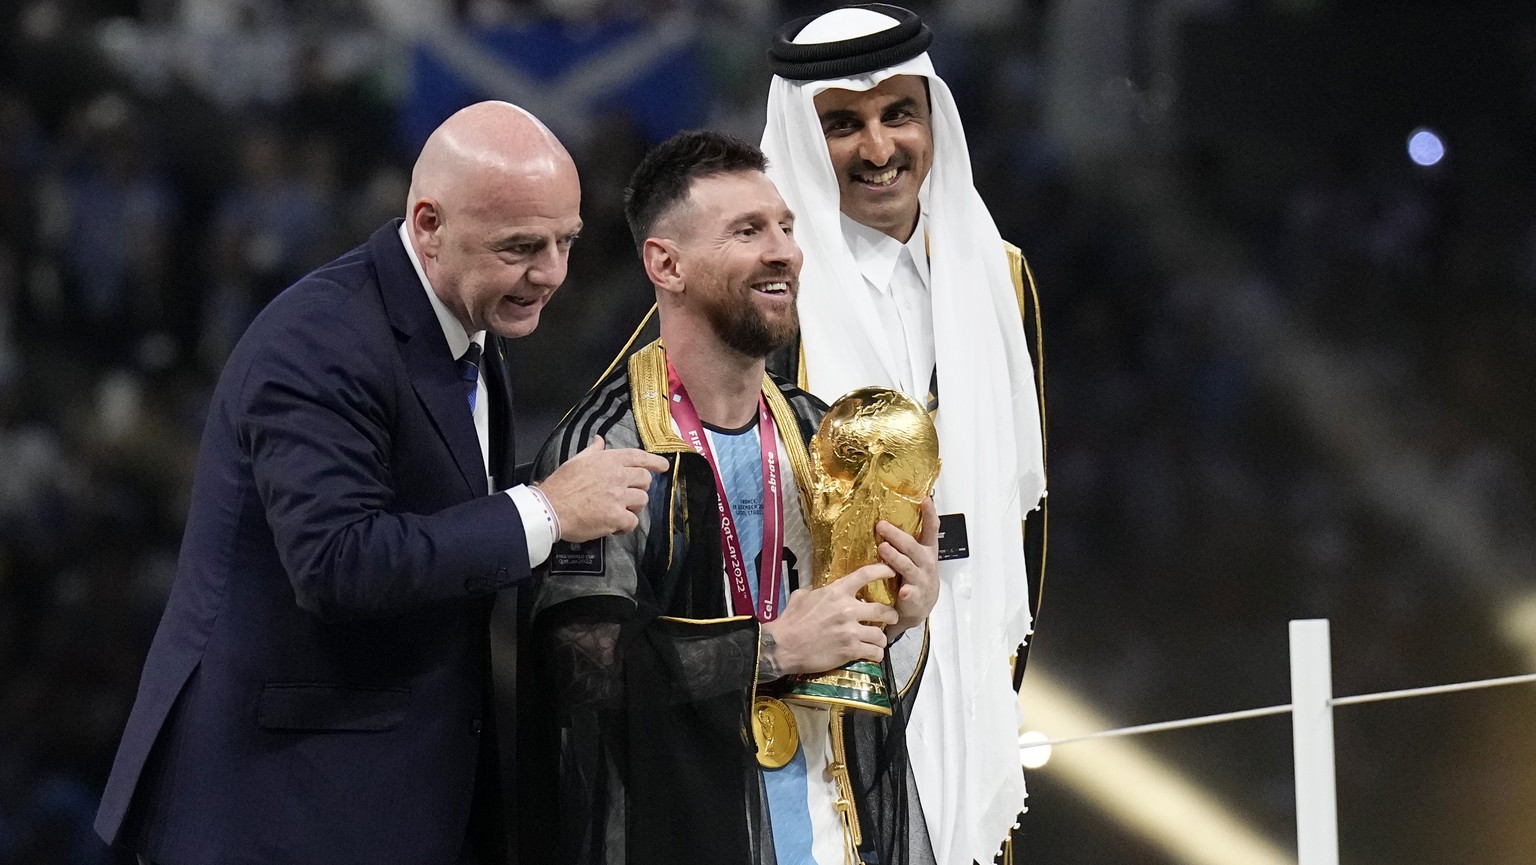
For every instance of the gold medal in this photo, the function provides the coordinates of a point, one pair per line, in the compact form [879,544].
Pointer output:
[774,731]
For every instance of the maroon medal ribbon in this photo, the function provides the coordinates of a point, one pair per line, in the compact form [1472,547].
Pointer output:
[769,576]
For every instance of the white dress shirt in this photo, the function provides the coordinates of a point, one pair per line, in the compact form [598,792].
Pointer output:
[539,522]
[896,275]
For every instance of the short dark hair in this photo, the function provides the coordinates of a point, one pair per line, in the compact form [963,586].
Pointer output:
[665,176]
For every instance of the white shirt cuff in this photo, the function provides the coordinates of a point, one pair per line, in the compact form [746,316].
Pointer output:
[540,525]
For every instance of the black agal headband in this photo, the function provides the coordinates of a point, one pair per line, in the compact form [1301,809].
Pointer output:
[824,60]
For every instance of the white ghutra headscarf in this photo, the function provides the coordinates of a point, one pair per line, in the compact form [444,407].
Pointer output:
[963,735]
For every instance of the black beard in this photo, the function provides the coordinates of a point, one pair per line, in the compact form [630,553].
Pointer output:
[742,327]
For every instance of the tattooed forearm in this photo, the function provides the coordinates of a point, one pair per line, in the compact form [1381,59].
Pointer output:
[768,660]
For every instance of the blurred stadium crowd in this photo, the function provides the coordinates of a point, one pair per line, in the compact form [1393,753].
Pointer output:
[1289,369]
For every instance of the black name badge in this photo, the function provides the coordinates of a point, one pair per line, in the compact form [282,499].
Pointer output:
[572,558]
[953,543]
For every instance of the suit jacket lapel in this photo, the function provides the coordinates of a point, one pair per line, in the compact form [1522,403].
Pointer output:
[498,386]
[433,371]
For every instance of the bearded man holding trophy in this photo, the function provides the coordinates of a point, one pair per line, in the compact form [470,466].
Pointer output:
[721,687]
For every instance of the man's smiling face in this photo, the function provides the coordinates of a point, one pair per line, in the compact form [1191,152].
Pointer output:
[497,252]
[741,261]
[881,144]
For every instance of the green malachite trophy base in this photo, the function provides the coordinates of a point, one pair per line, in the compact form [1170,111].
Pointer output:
[858,685]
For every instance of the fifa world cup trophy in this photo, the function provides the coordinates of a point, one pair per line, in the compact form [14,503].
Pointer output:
[874,457]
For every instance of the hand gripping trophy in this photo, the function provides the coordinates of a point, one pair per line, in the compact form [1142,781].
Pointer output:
[875,456]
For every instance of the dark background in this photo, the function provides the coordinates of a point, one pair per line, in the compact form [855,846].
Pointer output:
[1290,371]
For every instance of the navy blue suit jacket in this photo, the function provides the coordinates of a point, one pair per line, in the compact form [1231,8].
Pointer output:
[318,689]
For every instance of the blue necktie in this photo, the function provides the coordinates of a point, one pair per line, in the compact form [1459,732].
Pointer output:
[469,371]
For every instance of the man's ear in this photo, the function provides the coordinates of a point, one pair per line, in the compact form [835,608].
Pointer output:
[426,221]
[662,264]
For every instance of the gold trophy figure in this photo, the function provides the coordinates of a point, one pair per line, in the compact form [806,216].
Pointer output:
[875,456]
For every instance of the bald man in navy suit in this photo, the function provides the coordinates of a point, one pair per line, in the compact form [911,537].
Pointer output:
[318,690]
